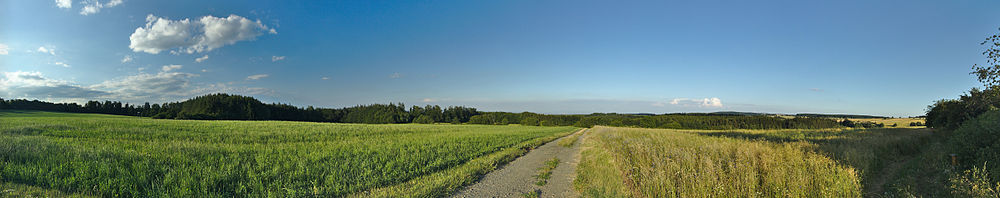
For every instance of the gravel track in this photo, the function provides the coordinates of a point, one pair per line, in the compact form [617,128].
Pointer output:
[517,177]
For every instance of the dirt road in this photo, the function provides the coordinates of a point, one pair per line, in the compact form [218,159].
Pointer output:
[517,178]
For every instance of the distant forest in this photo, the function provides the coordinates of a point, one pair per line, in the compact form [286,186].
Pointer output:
[236,107]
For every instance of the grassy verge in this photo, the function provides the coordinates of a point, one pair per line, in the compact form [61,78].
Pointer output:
[627,162]
[570,140]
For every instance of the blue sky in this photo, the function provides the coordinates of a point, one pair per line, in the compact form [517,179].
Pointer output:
[883,58]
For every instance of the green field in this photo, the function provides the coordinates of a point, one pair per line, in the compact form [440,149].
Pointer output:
[104,155]
[633,162]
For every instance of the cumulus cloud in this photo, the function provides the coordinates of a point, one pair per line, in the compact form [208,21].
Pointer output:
[46,50]
[3,49]
[257,77]
[687,102]
[194,36]
[35,85]
[64,3]
[200,59]
[127,59]
[277,58]
[93,6]
[167,68]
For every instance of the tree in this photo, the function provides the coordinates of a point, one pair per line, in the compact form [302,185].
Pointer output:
[424,119]
[989,74]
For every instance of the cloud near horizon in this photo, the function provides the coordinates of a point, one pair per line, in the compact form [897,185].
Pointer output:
[142,87]
[194,36]
[687,102]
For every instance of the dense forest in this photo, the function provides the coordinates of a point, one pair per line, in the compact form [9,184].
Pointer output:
[236,107]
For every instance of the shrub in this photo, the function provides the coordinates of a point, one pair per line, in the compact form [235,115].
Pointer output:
[977,141]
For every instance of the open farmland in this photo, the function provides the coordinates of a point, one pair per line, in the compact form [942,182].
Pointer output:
[633,162]
[106,155]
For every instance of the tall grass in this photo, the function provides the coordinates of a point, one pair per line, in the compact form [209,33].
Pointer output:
[628,162]
[136,157]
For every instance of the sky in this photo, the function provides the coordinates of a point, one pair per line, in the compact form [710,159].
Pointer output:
[889,58]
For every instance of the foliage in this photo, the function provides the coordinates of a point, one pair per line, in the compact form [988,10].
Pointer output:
[950,114]
[111,156]
[989,74]
[977,142]
[974,183]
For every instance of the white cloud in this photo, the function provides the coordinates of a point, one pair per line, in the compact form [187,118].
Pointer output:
[61,64]
[143,86]
[46,50]
[204,70]
[687,102]
[64,3]
[4,49]
[94,6]
[200,59]
[191,36]
[277,58]
[127,59]
[395,75]
[167,68]
[429,100]
[816,89]
[257,77]
[325,78]
[35,85]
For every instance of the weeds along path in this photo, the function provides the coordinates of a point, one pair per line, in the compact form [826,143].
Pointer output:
[519,178]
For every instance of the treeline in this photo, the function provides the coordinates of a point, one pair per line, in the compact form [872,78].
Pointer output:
[235,107]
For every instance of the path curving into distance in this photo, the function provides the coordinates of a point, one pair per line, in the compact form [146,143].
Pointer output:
[517,178]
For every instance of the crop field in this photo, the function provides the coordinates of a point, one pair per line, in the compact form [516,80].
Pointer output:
[632,162]
[105,155]
[899,122]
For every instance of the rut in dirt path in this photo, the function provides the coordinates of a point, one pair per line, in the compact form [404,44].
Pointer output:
[518,177]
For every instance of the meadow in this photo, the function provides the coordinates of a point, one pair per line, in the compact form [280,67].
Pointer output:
[842,162]
[109,155]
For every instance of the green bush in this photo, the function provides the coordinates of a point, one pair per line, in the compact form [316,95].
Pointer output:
[977,142]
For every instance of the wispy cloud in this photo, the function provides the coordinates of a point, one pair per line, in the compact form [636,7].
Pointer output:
[167,68]
[257,77]
[49,51]
[94,6]
[61,64]
[816,89]
[687,102]
[127,59]
[277,58]
[64,3]
[325,78]
[395,75]
[200,59]
[4,49]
